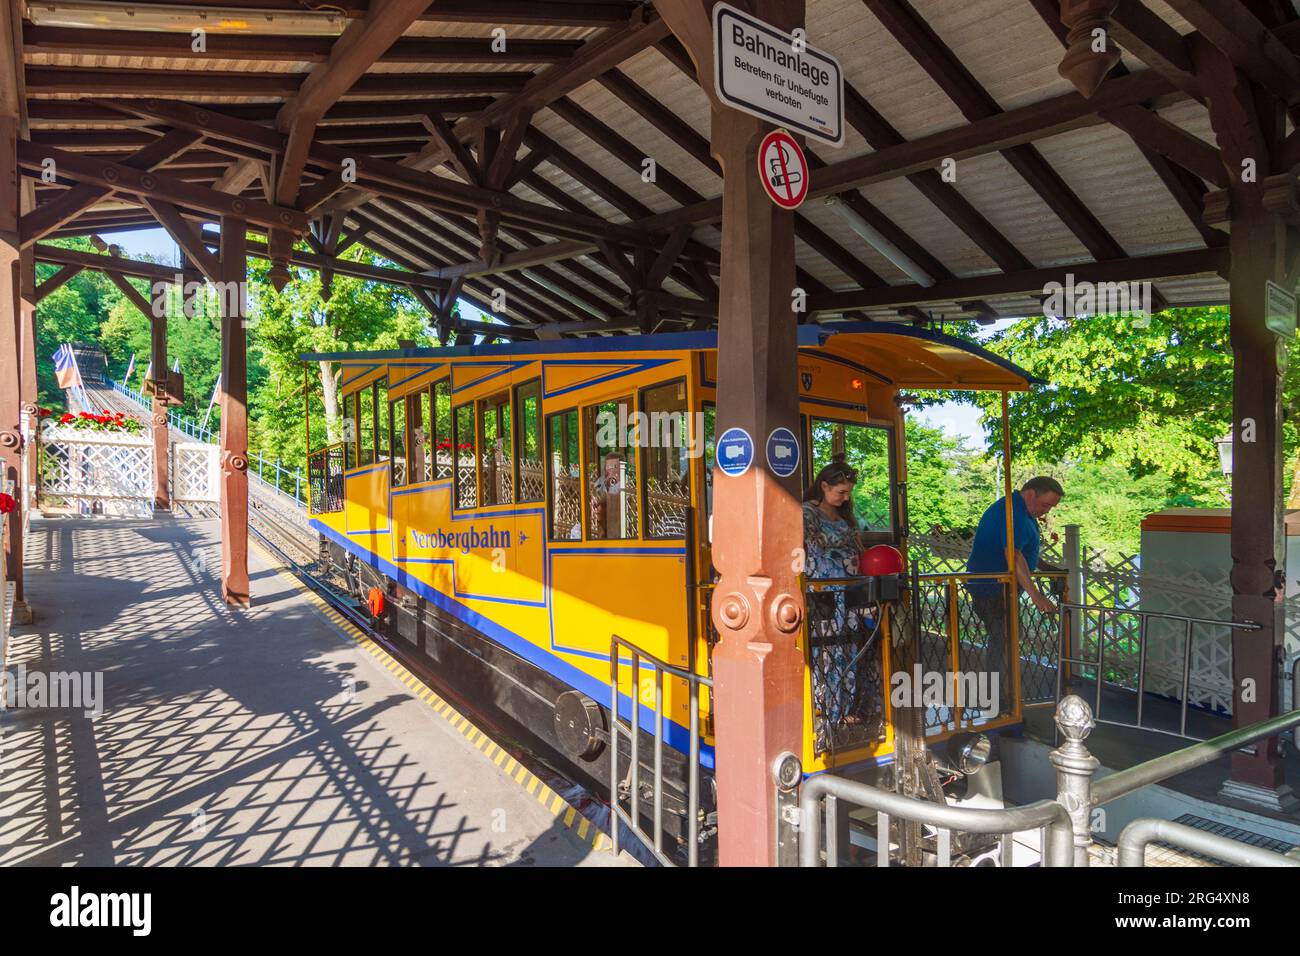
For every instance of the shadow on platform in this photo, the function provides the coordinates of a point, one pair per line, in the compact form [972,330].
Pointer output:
[232,737]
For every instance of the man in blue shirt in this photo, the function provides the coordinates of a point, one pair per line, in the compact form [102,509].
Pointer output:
[988,555]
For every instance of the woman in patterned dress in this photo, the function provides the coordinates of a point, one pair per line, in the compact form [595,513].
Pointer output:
[832,546]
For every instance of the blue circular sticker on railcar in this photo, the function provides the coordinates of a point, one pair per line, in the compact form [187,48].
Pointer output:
[782,452]
[735,452]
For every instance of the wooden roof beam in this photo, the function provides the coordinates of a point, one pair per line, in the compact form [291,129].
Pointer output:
[197,83]
[1157,133]
[355,51]
[542,281]
[1039,120]
[54,214]
[594,58]
[915,34]
[383,177]
[389,227]
[272,49]
[1248,43]
[57,281]
[116,176]
[878,134]
[1031,282]
[91,112]
[1153,41]
[106,264]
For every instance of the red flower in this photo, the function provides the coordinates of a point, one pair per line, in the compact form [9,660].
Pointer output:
[7,503]
[67,417]
[44,413]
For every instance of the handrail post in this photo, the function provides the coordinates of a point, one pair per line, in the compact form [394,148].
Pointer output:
[1073,560]
[1075,767]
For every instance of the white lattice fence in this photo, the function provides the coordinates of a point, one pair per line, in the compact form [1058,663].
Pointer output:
[96,472]
[195,473]
[1117,580]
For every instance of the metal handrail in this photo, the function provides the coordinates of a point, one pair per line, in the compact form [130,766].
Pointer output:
[632,816]
[1124,782]
[1046,816]
[1135,837]
[1066,658]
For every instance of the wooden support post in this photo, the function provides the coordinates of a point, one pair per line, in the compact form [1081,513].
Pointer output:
[11,323]
[1248,124]
[234,415]
[162,500]
[27,347]
[1258,549]
[758,605]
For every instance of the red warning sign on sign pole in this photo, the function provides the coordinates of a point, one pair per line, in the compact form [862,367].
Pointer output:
[783,168]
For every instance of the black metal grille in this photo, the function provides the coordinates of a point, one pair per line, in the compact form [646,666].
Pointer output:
[1230,832]
[325,478]
[845,658]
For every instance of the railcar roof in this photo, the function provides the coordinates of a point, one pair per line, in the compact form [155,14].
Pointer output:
[904,356]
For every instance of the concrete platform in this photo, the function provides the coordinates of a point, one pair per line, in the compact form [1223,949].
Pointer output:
[228,737]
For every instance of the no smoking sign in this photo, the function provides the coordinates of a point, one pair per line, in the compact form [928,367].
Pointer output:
[783,168]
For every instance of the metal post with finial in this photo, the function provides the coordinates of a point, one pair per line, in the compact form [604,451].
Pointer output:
[1075,767]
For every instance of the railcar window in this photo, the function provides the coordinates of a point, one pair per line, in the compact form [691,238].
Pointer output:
[666,462]
[530,484]
[611,470]
[350,431]
[869,449]
[366,426]
[497,470]
[463,450]
[397,440]
[444,452]
[381,420]
[566,497]
[418,405]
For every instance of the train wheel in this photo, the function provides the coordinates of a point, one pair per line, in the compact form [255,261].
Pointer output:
[580,725]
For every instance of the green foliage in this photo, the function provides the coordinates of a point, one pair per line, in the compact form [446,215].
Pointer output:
[1151,400]
[949,484]
[359,315]
[72,313]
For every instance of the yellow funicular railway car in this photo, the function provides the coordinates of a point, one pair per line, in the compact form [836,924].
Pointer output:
[519,504]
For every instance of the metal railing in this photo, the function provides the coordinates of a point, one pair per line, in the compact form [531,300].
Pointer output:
[1077,796]
[631,729]
[273,474]
[1069,640]
[1047,816]
[325,474]
[1135,838]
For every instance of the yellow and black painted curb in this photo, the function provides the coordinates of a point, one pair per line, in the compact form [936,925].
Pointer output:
[585,830]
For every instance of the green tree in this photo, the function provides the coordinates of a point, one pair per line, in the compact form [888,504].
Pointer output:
[1151,398]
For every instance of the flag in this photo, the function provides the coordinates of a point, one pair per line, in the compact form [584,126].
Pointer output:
[130,368]
[148,371]
[176,365]
[65,367]
[215,386]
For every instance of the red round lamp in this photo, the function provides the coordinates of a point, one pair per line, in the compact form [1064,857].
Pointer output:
[880,560]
